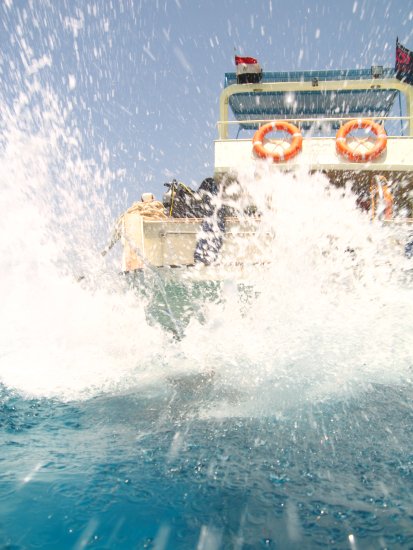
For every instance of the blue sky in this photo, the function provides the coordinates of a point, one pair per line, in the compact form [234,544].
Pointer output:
[144,76]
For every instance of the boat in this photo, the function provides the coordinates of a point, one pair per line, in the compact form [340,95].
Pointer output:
[338,122]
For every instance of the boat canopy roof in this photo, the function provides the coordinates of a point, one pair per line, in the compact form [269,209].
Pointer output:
[295,104]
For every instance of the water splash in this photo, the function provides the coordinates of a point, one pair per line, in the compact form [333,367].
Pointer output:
[58,338]
[330,313]
[327,314]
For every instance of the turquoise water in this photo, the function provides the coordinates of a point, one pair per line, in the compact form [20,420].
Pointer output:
[140,470]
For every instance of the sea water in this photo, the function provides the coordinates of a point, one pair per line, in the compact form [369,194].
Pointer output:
[272,410]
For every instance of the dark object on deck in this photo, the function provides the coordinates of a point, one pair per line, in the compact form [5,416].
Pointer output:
[408,247]
[363,201]
[180,201]
[208,185]
[208,246]
[213,227]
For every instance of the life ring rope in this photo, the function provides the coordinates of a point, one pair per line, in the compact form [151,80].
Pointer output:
[361,153]
[278,156]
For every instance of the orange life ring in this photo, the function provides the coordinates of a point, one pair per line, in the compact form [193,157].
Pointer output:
[289,153]
[343,148]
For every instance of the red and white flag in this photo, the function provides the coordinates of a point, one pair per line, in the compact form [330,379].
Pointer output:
[247,65]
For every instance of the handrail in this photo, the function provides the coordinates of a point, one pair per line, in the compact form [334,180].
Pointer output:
[223,124]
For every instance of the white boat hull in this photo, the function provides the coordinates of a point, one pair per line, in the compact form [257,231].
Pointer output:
[172,242]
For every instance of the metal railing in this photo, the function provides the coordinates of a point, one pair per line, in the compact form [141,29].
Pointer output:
[224,125]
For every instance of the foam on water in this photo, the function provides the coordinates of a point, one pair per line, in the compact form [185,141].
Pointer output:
[330,314]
